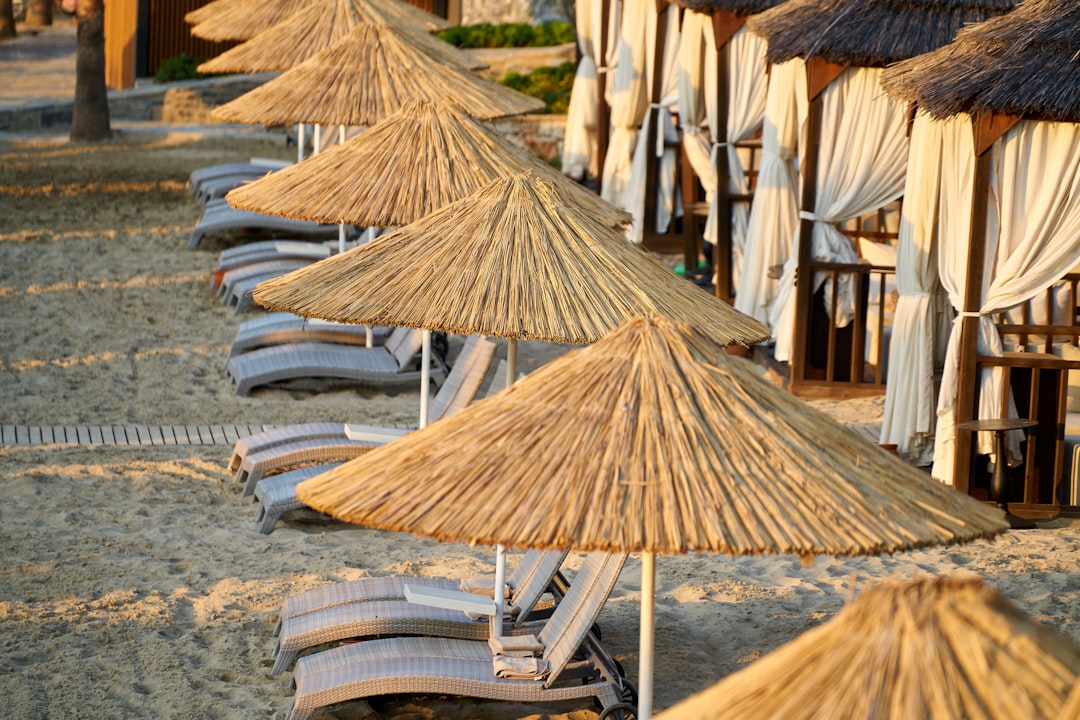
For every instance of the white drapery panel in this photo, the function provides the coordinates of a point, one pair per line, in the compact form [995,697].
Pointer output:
[747,84]
[862,165]
[579,138]
[918,335]
[1032,239]
[668,63]
[627,98]
[774,214]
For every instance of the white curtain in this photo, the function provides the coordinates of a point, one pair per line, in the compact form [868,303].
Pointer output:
[579,139]
[634,197]
[918,334]
[774,214]
[1032,239]
[627,98]
[861,167]
[747,84]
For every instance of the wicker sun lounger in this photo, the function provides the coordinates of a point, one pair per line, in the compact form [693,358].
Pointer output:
[366,616]
[219,216]
[276,494]
[279,328]
[446,666]
[389,365]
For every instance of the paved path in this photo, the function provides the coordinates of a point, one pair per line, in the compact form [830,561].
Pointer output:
[39,64]
[127,434]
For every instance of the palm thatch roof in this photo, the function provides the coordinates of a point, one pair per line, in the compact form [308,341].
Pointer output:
[867,33]
[652,439]
[325,24]
[241,19]
[735,7]
[365,77]
[421,158]
[520,258]
[944,648]
[1026,63]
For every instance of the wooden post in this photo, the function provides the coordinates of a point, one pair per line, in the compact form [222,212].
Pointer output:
[603,111]
[725,25]
[652,163]
[986,128]
[120,28]
[819,73]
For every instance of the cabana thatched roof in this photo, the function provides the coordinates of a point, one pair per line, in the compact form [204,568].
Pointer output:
[867,33]
[929,648]
[735,7]
[1026,63]
[414,162]
[366,76]
[323,25]
[652,439]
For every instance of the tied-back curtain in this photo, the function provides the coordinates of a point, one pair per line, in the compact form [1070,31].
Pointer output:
[666,67]
[774,214]
[918,333]
[627,100]
[579,139]
[1033,226]
[862,165]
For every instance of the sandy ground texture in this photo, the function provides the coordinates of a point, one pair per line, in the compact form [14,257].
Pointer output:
[135,583]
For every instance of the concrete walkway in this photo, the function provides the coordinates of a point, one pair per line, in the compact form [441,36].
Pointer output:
[38,65]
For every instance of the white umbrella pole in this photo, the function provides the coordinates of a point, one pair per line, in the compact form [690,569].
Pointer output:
[648,630]
[425,375]
[341,237]
[316,140]
[340,134]
[300,142]
[500,550]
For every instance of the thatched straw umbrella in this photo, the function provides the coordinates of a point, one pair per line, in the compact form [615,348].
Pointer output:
[421,158]
[365,77]
[326,24]
[937,649]
[244,19]
[1071,710]
[650,440]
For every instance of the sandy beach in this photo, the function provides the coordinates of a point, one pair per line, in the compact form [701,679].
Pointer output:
[135,581]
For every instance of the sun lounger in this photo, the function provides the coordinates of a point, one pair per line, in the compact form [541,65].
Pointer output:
[279,328]
[219,216]
[390,365]
[227,289]
[265,250]
[358,614]
[216,180]
[446,666]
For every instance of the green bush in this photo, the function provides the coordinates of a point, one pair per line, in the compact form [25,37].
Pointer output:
[178,67]
[550,84]
[486,35]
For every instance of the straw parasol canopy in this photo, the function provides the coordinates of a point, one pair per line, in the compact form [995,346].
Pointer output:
[421,158]
[325,24]
[365,77]
[1024,64]
[867,33]
[939,649]
[241,19]
[652,439]
[518,259]
[735,7]
[1071,710]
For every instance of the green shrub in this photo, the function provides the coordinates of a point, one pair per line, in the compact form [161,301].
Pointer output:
[550,84]
[486,35]
[178,67]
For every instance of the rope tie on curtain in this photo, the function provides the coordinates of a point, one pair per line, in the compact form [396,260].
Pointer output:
[968,313]
[805,215]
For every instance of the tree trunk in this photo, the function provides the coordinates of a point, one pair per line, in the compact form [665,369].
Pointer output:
[90,114]
[39,13]
[7,19]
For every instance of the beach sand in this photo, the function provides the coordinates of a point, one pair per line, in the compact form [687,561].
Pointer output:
[135,583]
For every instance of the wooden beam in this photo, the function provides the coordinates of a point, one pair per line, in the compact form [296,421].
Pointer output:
[819,73]
[603,111]
[725,25]
[722,251]
[652,163]
[987,127]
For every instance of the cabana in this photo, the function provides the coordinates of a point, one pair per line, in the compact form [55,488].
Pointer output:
[853,165]
[1005,101]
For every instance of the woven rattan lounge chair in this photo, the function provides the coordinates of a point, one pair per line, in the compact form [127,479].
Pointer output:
[360,613]
[219,216]
[275,450]
[446,666]
[276,494]
[279,328]
[392,364]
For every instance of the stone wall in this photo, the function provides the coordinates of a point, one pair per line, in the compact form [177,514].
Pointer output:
[542,135]
[518,11]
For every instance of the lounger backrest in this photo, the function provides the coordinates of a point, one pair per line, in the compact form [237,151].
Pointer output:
[403,344]
[577,612]
[460,386]
[531,579]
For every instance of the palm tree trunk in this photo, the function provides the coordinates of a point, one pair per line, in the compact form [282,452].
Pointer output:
[39,13]
[7,19]
[90,114]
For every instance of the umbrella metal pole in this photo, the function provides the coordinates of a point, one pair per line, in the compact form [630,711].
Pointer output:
[648,629]
[299,142]
[511,361]
[425,374]
[316,139]
[500,550]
